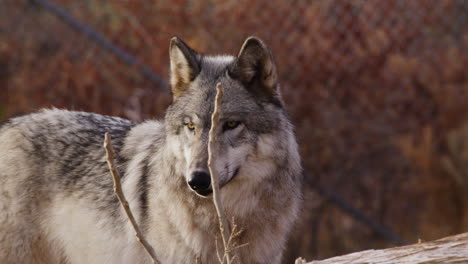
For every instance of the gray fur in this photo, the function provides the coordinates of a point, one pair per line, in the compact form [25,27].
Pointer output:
[56,198]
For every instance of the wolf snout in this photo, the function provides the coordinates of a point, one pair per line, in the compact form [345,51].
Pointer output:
[200,182]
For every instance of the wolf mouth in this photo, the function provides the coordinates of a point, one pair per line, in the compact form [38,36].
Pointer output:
[207,192]
[236,171]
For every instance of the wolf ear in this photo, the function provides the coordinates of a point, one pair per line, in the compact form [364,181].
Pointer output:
[185,65]
[256,69]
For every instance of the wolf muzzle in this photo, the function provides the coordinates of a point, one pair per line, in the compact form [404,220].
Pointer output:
[200,182]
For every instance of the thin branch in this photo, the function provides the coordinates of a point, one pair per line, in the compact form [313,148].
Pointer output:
[232,245]
[223,223]
[123,201]
[217,250]
[300,261]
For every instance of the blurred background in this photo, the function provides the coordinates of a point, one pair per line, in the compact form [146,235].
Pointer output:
[377,90]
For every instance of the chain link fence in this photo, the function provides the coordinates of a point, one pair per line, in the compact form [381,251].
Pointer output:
[377,91]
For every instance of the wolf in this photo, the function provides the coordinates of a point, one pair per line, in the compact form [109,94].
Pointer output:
[56,194]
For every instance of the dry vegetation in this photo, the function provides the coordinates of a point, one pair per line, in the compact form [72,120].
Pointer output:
[377,91]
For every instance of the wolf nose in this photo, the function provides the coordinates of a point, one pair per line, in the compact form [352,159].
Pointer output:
[200,180]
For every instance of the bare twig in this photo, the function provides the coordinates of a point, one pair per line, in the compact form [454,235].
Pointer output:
[223,223]
[123,201]
[217,250]
[232,245]
[300,261]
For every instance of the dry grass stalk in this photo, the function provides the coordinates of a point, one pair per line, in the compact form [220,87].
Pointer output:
[123,201]
[300,260]
[223,223]
[231,245]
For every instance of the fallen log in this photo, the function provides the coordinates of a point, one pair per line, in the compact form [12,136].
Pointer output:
[453,249]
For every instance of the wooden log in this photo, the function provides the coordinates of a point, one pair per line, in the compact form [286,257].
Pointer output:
[453,249]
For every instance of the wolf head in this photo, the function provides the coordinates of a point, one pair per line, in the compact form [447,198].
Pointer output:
[251,118]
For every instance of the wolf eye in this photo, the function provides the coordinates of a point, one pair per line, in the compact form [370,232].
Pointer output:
[190,126]
[231,125]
